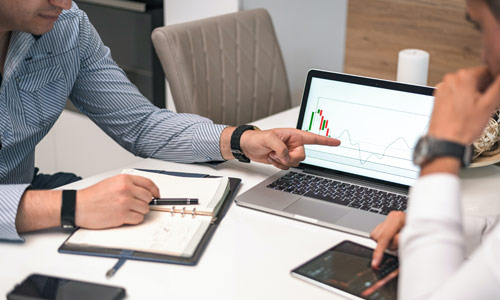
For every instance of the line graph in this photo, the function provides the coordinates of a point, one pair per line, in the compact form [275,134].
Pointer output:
[378,155]
[377,136]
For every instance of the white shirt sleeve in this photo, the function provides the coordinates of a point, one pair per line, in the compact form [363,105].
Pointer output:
[476,229]
[433,246]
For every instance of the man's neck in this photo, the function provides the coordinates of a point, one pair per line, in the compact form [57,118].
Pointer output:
[4,46]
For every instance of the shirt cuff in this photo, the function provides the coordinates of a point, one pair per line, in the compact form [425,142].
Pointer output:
[10,196]
[436,197]
[206,142]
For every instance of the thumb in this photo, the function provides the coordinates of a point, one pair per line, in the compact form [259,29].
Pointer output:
[279,150]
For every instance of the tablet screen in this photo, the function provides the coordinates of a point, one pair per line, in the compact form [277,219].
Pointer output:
[347,267]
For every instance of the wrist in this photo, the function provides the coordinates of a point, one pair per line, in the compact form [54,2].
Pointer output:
[443,164]
[82,218]
[246,137]
[225,143]
[39,210]
[450,135]
[234,142]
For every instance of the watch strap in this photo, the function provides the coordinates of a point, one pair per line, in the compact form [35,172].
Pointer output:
[235,142]
[447,148]
[68,209]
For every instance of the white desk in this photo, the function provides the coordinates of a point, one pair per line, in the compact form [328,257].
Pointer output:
[249,257]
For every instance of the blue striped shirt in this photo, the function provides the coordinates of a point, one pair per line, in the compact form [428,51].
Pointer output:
[70,61]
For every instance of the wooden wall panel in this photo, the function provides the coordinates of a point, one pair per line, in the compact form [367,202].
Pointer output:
[378,29]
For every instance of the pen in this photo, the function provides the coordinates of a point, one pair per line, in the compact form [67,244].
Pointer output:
[121,260]
[174,201]
[115,268]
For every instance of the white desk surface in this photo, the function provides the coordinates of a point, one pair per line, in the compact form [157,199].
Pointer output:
[249,257]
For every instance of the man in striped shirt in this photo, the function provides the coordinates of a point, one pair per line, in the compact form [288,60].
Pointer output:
[50,52]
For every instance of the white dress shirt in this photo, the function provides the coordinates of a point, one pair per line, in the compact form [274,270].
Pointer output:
[435,243]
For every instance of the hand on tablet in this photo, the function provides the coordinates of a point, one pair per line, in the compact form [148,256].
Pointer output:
[386,234]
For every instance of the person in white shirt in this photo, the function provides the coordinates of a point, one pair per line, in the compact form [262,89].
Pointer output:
[444,255]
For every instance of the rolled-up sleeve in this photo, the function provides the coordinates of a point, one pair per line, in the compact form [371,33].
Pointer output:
[11,196]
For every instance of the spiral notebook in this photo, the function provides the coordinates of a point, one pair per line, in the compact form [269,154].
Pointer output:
[167,234]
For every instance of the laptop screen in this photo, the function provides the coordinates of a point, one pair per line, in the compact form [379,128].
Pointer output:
[378,123]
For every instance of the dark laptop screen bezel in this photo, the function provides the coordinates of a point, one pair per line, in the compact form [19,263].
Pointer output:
[365,81]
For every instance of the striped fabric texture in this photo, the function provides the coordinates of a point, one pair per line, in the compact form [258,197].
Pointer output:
[70,61]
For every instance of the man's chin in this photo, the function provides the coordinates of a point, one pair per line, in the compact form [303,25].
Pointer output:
[41,29]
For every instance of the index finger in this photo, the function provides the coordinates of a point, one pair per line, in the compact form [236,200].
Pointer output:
[378,253]
[147,184]
[310,138]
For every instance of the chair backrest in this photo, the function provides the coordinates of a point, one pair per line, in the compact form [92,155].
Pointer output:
[227,68]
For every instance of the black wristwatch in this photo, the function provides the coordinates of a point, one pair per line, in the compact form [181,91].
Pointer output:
[429,148]
[235,142]
[68,209]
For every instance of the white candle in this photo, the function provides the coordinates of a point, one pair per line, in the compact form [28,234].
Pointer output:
[413,66]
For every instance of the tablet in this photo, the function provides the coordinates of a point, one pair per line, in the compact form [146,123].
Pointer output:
[346,269]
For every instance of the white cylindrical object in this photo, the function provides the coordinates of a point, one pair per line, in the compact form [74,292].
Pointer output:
[413,66]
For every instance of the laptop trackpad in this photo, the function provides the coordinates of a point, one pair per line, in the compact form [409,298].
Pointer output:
[361,220]
[317,210]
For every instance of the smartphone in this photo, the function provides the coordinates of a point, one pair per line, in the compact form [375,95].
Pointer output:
[346,269]
[43,287]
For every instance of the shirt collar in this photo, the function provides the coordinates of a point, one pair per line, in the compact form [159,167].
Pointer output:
[20,43]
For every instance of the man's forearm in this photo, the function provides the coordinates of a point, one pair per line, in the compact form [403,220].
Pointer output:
[39,210]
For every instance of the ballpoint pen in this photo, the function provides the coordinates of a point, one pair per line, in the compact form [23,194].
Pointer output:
[174,201]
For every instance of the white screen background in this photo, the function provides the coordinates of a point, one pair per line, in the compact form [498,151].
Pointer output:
[378,128]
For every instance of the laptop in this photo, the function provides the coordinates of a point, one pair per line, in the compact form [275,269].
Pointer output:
[354,186]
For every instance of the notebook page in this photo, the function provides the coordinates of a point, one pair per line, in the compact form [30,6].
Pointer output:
[160,233]
[209,191]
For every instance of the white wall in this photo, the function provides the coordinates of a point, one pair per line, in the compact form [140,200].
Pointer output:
[179,11]
[311,35]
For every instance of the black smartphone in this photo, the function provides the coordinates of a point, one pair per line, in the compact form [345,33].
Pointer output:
[43,287]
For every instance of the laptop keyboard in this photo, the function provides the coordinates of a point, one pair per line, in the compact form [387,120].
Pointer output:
[342,193]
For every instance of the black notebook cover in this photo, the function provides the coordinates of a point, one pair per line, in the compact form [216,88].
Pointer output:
[153,257]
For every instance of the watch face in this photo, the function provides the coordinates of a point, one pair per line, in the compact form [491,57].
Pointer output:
[468,155]
[421,152]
